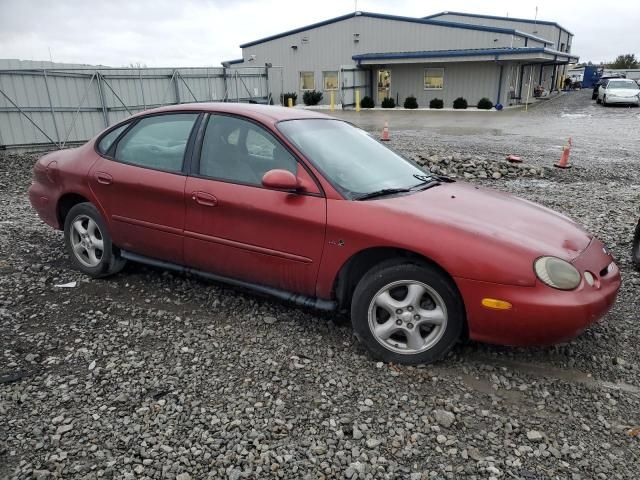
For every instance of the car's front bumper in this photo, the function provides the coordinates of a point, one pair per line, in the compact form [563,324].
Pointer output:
[541,315]
[623,100]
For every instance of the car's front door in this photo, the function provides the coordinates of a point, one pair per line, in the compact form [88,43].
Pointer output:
[139,183]
[236,227]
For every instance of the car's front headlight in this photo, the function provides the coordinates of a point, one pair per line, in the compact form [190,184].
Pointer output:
[557,273]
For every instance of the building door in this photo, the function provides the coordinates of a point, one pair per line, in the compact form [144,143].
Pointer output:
[384,84]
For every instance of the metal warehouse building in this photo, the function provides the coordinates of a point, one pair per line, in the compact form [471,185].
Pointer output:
[446,55]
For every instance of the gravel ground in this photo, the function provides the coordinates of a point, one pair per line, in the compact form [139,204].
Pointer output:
[156,375]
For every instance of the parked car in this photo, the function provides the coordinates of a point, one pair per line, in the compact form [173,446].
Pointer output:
[619,91]
[313,210]
[635,249]
[596,87]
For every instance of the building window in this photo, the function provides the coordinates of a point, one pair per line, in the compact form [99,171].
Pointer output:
[330,80]
[307,82]
[433,78]
[562,47]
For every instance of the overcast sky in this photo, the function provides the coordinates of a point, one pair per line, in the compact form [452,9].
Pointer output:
[204,32]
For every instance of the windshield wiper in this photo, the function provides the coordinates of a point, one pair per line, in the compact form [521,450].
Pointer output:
[433,178]
[381,193]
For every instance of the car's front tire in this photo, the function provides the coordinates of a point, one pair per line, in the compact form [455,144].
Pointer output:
[407,313]
[635,249]
[88,242]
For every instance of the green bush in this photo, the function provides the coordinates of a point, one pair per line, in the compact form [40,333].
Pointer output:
[436,103]
[460,103]
[367,102]
[311,97]
[485,104]
[411,102]
[284,98]
[388,102]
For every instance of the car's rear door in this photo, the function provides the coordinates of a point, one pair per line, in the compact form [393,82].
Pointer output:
[139,183]
[236,227]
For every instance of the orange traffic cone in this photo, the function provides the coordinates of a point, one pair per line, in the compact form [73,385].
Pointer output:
[385,132]
[564,158]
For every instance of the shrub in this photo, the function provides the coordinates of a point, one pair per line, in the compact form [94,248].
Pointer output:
[311,97]
[284,98]
[485,104]
[460,103]
[367,102]
[436,103]
[411,102]
[388,102]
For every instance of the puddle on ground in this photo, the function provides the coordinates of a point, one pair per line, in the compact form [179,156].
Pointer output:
[464,131]
[574,115]
[567,375]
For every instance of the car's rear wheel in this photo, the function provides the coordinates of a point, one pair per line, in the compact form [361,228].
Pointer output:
[89,243]
[635,250]
[407,313]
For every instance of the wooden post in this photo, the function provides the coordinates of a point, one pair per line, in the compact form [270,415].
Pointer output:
[333,101]
[357,100]
[290,102]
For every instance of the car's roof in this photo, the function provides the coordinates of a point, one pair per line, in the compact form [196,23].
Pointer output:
[264,113]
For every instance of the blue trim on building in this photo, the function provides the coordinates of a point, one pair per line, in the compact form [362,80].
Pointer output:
[423,21]
[474,52]
[496,17]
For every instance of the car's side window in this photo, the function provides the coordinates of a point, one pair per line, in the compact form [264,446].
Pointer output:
[240,151]
[109,138]
[157,142]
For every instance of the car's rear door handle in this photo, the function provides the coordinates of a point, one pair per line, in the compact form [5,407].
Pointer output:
[205,199]
[104,178]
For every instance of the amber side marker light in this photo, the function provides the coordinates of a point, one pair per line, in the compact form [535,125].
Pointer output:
[496,304]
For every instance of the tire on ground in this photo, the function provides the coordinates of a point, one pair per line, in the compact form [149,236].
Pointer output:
[110,262]
[379,277]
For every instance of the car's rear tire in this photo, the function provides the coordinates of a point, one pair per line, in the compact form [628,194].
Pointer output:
[635,249]
[407,313]
[88,242]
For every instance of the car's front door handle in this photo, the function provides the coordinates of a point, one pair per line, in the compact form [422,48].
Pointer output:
[104,178]
[205,199]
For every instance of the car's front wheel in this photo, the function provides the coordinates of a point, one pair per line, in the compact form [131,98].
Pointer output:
[635,249]
[407,313]
[89,243]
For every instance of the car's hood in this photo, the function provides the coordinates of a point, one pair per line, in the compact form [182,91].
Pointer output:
[499,218]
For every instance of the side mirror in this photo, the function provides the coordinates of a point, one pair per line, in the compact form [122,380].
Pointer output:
[280,180]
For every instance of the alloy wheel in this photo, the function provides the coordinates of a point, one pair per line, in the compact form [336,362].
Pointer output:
[87,241]
[407,317]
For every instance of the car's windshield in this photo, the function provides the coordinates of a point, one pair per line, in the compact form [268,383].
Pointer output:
[623,84]
[350,158]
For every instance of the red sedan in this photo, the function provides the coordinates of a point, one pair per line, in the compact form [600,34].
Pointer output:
[314,210]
